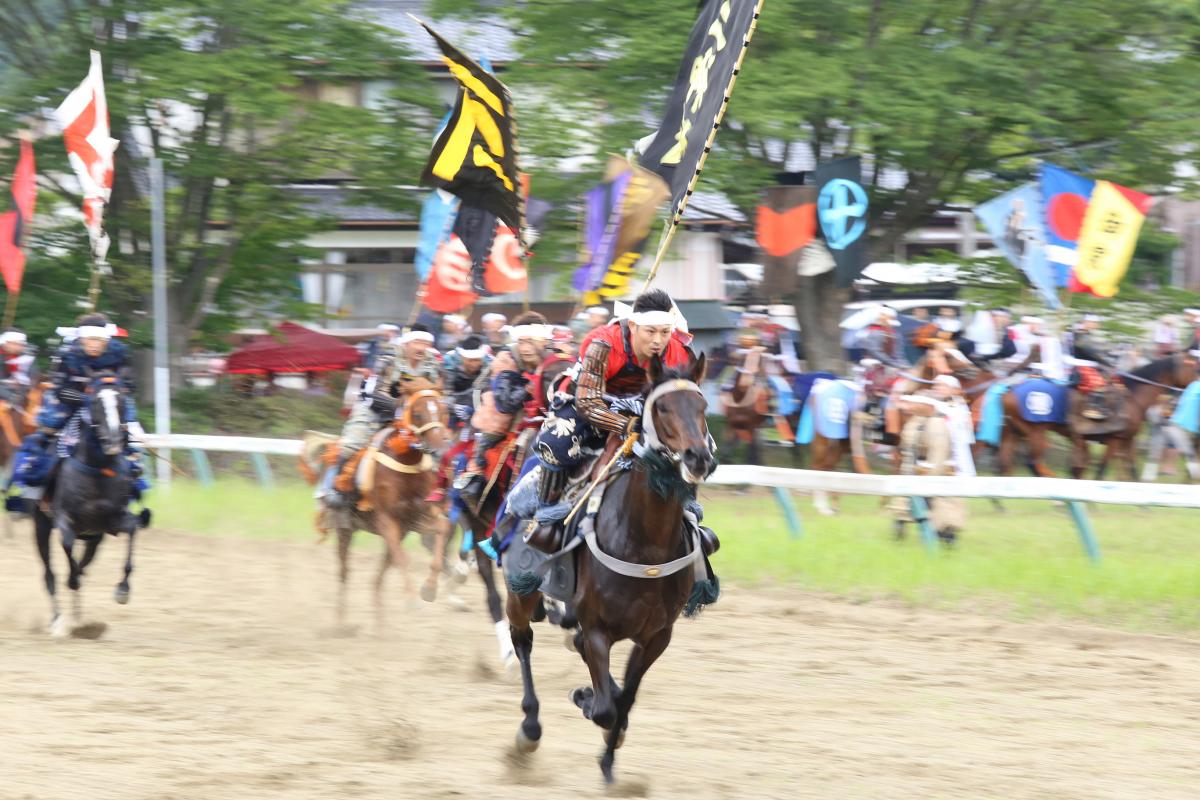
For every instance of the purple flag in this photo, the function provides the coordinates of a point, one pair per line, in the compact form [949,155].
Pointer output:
[602,220]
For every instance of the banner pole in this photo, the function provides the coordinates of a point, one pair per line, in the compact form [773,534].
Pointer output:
[669,234]
[10,308]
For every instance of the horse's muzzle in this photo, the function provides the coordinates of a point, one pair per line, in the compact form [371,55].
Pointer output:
[697,464]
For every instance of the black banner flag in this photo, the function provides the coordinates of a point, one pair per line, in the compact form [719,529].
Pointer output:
[842,215]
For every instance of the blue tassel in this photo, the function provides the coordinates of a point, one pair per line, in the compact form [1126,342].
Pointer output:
[704,593]
[524,584]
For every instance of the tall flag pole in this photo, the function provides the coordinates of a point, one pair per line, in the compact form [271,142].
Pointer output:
[90,149]
[14,226]
[711,63]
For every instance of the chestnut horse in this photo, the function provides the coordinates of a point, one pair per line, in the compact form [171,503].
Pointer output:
[403,468]
[638,530]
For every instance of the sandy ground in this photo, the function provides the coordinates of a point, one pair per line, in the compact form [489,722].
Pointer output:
[224,679]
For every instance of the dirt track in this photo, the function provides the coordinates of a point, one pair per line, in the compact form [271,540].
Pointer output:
[222,679]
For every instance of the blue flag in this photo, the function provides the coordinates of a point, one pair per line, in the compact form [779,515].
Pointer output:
[1014,220]
[437,220]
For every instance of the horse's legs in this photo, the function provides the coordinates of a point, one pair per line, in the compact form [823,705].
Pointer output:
[441,537]
[393,536]
[1079,457]
[1037,450]
[640,660]
[121,593]
[752,447]
[520,610]
[596,647]
[1005,453]
[42,533]
[1110,447]
[504,638]
[345,536]
[384,563]
[89,554]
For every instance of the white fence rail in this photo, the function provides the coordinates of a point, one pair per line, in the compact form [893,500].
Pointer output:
[1075,493]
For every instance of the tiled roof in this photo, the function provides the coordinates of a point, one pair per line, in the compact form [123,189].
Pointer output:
[487,37]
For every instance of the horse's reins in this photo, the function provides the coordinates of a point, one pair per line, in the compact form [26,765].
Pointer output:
[1147,381]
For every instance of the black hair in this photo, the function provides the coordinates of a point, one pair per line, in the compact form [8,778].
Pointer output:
[420,327]
[96,320]
[653,300]
[472,342]
[530,318]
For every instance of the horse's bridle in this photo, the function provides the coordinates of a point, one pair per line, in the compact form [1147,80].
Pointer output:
[406,421]
[650,438]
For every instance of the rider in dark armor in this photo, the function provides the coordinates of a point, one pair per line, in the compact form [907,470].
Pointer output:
[92,351]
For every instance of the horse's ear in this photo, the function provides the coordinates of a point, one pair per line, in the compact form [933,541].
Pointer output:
[699,367]
[654,369]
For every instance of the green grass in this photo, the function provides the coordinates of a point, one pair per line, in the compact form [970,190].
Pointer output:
[1025,563]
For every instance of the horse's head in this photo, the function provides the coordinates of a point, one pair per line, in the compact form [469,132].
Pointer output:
[673,421]
[1187,369]
[423,418]
[105,411]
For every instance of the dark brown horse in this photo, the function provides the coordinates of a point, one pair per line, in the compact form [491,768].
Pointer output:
[746,405]
[1142,388]
[639,530]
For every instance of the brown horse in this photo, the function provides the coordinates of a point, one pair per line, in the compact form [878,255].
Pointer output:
[397,478]
[18,418]
[1143,387]
[746,405]
[639,530]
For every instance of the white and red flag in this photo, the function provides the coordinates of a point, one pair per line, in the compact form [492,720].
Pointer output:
[90,148]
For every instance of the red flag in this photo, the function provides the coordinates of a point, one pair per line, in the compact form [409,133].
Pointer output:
[505,270]
[90,148]
[449,286]
[15,223]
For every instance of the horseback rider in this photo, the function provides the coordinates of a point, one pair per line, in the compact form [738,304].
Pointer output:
[1000,344]
[513,394]
[1092,373]
[881,342]
[461,368]
[18,361]
[411,355]
[90,352]
[601,394]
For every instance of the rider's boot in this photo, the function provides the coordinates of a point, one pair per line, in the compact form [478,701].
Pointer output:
[545,532]
[1094,406]
[335,498]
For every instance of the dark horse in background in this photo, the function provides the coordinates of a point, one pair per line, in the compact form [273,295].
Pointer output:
[481,519]
[639,522]
[1143,387]
[87,497]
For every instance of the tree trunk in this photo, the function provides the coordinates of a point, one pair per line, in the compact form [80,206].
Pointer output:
[818,302]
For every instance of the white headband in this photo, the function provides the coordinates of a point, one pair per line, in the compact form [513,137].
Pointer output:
[653,318]
[417,336]
[13,336]
[478,352]
[492,316]
[387,326]
[96,331]
[456,319]
[1033,320]
[531,331]
[598,310]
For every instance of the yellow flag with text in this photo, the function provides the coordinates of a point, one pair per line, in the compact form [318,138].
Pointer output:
[1108,237]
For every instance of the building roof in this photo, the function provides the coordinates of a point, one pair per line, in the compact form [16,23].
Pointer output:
[340,203]
[488,36]
[707,315]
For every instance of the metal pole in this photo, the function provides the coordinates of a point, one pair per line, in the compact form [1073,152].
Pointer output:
[162,369]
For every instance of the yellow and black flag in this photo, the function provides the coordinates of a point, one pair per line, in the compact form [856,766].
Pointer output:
[475,155]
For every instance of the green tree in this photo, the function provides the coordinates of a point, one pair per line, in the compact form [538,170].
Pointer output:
[951,101]
[231,94]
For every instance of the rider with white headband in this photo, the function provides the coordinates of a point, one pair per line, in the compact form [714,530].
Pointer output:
[90,352]
[411,355]
[18,360]
[613,365]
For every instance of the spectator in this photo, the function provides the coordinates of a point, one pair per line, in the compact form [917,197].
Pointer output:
[493,325]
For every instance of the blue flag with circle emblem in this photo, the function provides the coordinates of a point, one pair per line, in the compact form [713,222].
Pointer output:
[842,208]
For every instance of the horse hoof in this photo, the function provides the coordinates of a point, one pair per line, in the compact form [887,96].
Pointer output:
[826,511]
[60,627]
[121,595]
[428,592]
[525,745]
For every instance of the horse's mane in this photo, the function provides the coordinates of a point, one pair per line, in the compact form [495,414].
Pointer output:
[1154,368]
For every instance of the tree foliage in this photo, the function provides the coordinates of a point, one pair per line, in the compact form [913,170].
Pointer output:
[232,96]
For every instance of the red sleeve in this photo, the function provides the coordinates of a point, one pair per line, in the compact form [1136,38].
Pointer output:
[677,355]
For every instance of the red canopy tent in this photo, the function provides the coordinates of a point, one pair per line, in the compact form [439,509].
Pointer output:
[292,348]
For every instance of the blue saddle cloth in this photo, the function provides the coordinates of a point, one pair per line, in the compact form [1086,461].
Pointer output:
[991,420]
[1042,400]
[827,412]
